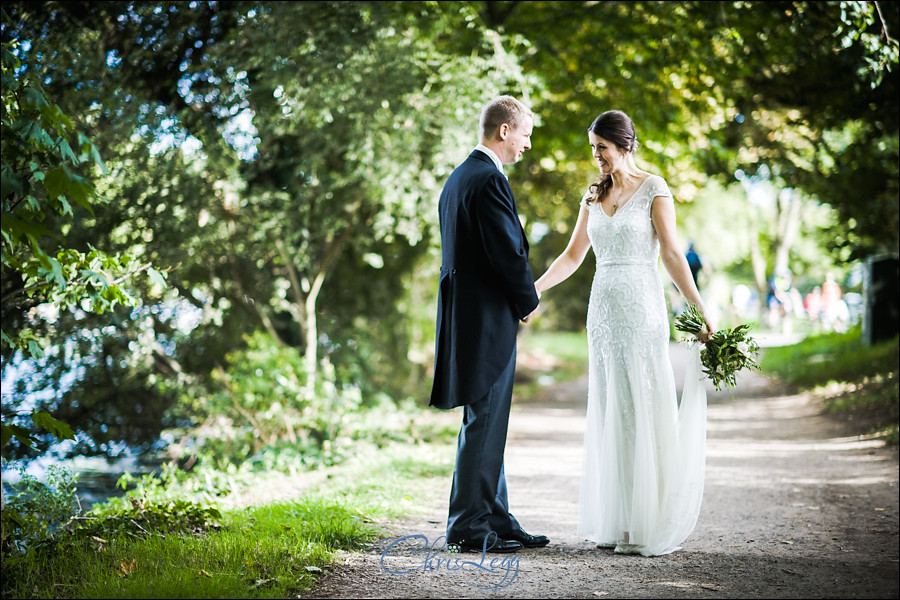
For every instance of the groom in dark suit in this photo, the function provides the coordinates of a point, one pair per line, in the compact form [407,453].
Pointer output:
[486,289]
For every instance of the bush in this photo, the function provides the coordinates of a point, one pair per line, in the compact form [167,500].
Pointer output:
[256,413]
[259,402]
[828,357]
[855,380]
[34,511]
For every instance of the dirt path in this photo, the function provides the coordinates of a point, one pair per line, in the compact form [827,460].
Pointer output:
[794,507]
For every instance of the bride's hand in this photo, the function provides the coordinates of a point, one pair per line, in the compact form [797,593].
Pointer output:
[704,334]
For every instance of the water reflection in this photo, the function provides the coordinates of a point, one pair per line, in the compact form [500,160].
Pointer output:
[97,477]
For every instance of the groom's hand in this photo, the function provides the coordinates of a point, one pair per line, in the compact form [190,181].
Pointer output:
[532,315]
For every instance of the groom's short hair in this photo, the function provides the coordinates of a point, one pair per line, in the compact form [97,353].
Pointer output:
[504,109]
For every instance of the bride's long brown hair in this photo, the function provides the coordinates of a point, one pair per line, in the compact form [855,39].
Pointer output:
[615,126]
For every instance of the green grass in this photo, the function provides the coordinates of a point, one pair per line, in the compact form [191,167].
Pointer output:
[389,483]
[260,553]
[269,551]
[828,357]
[855,381]
[564,345]
[561,355]
[264,552]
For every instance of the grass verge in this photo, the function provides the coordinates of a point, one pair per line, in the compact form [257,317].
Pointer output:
[855,381]
[275,550]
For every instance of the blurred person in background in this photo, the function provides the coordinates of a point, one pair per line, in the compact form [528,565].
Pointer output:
[695,264]
[834,310]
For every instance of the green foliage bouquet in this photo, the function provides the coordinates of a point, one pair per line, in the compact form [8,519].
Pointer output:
[727,351]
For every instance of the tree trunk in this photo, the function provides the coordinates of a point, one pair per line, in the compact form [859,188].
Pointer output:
[261,313]
[311,355]
[297,308]
[790,212]
[759,269]
[310,359]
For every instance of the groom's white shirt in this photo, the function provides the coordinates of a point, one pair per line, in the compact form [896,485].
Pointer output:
[492,156]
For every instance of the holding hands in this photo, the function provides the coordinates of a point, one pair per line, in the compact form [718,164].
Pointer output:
[537,308]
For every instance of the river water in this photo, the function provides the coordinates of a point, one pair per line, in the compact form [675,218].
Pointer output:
[97,477]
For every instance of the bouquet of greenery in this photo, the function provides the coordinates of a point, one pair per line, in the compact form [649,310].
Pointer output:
[727,351]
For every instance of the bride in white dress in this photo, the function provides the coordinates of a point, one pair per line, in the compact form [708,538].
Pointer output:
[644,451]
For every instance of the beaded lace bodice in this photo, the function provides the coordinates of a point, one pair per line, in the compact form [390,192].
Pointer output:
[628,234]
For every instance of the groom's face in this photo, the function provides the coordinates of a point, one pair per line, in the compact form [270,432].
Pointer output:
[517,141]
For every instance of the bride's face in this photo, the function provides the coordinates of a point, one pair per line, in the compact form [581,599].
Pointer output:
[609,158]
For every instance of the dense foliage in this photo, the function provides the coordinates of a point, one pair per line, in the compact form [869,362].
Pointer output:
[274,168]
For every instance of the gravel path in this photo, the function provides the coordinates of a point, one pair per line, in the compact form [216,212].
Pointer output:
[794,507]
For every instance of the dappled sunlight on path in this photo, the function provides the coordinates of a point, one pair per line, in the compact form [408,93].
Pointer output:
[793,508]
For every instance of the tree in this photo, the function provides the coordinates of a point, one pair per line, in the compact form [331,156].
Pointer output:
[821,139]
[40,162]
[717,88]
[264,171]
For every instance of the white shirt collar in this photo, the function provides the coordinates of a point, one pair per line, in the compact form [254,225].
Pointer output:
[491,155]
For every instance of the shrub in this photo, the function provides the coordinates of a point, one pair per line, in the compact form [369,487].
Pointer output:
[259,402]
[34,511]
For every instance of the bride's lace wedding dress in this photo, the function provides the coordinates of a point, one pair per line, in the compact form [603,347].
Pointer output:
[644,452]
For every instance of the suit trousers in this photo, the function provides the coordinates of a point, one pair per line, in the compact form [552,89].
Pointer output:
[478,497]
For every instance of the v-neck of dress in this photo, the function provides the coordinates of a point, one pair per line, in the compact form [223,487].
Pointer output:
[627,202]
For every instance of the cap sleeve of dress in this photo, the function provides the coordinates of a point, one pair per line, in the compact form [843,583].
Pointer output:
[584,201]
[657,186]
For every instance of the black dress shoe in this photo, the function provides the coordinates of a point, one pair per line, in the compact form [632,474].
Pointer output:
[529,541]
[491,544]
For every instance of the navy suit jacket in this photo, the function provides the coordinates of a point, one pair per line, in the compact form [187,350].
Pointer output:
[486,286]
